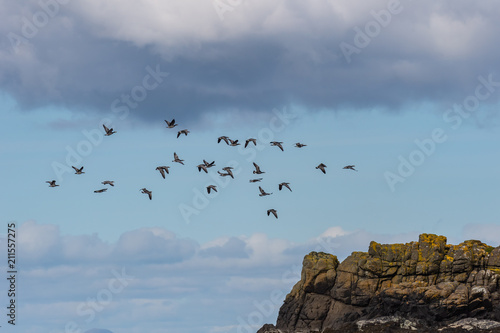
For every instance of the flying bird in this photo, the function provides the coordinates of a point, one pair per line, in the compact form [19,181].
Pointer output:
[209,165]
[184,131]
[177,159]
[78,171]
[322,167]
[233,143]
[277,144]
[171,124]
[228,172]
[202,167]
[149,193]
[52,183]
[255,180]
[280,186]
[257,170]
[162,170]
[211,187]
[109,131]
[350,167]
[300,145]
[273,211]
[108,182]
[263,193]
[101,190]
[251,140]
[225,138]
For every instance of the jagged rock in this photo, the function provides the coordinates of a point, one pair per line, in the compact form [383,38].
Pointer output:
[473,323]
[418,285]
[268,328]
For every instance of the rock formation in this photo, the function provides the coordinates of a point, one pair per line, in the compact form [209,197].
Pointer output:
[419,284]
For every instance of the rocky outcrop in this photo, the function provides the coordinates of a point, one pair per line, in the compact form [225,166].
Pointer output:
[422,284]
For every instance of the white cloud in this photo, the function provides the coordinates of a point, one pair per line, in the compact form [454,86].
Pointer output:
[334,232]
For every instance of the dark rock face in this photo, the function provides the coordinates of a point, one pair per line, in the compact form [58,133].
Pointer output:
[426,283]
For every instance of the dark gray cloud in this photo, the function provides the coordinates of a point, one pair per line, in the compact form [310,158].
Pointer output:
[259,57]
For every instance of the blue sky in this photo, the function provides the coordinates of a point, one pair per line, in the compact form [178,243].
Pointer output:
[414,108]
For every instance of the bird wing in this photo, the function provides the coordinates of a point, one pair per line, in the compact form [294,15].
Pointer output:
[261,190]
[150,195]
[162,172]
[280,186]
[105,128]
[274,213]
[256,167]
[288,187]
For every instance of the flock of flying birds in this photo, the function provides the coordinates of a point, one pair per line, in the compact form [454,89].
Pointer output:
[206,165]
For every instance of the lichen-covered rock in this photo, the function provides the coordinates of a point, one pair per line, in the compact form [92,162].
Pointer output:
[319,271]
[427,282]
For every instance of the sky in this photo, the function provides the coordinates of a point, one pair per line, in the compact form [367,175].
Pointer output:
[406,91]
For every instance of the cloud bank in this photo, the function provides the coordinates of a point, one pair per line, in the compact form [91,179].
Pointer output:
[255,56]
[149,279]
